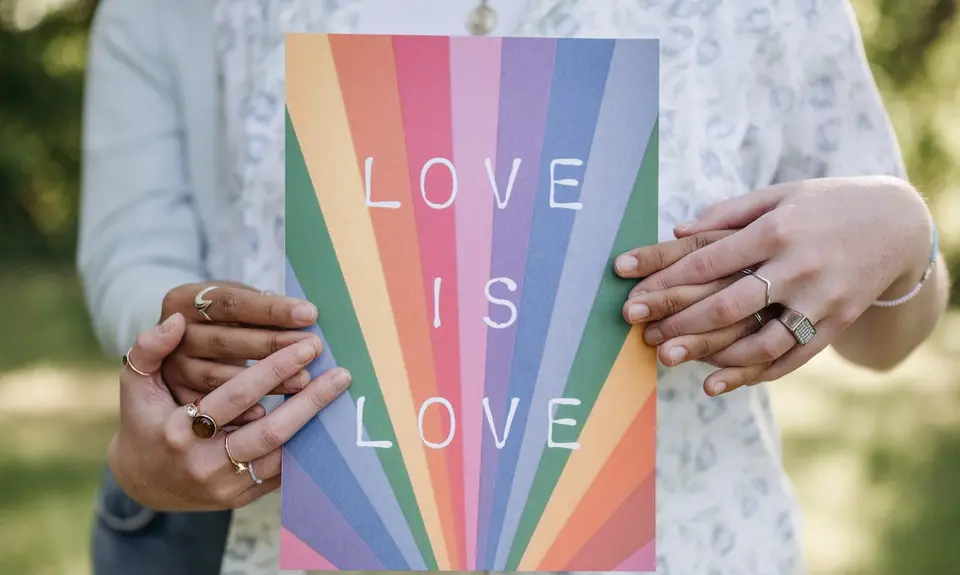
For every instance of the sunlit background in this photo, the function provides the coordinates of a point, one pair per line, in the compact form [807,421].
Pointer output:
[875,459]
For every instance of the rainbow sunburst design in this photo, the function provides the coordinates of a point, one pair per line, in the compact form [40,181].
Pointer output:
[502,304]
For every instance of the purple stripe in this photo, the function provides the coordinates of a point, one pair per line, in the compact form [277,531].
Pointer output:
[316,522]
[526,74]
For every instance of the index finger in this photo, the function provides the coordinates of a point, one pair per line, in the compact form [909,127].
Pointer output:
[726,256]
[229,304]
[228,401]
[643,261]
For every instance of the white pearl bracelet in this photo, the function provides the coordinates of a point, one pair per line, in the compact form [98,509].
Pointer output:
[926,274]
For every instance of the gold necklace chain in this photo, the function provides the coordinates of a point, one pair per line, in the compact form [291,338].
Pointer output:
[483,19]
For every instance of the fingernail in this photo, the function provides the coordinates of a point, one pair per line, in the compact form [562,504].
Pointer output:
[653,336]
[718,387]
[685,225]
[342,379]
[168,323]
[627,264]
[304,313]
[305,351]
[638,311]
[677,354]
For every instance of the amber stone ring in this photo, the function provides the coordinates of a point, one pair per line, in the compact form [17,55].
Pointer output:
[203,425]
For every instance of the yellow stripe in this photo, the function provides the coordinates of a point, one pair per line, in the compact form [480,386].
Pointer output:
[630,383]
[318,114]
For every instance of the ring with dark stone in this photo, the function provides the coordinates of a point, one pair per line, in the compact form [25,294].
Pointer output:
[203,425]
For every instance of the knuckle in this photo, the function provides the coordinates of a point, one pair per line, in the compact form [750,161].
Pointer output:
[672,303]
[701,241]
[275,312]
[779,230]
[228,302]
[275,343]
[660,257]
[240,401]
[320,399]
[211,380]
[279,371]
[142,343]
[175,439]
[219,343]
[807,267]
[269,438]
[726,310]
[702,266]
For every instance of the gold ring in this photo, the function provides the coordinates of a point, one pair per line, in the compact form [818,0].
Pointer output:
[203,425]
[203,305]
[126,362]
[240,468]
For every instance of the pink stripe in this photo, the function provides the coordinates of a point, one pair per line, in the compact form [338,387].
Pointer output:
[475,89]
[644,560]
[295,554]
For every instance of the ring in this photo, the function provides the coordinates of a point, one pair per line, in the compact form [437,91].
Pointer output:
[759,318]
[798,324]
[240,467]
[253,475]
[126,361]
[203,305]
[766,282]
[203,425]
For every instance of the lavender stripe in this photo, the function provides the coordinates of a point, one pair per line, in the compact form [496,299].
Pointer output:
[527,69]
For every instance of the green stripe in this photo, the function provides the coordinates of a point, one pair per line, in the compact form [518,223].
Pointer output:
[602,340]
[311,253]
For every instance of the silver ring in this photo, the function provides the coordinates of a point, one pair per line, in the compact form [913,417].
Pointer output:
[203,305]
[253,475]
[798,324]
[759,318]
[766,283]
[126,361]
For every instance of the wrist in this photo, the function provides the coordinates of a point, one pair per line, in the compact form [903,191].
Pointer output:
[919,249]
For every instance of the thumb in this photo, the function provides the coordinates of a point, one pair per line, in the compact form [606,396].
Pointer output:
[153,346]
[735,213]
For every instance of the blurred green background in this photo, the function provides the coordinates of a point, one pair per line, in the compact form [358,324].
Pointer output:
[875,458]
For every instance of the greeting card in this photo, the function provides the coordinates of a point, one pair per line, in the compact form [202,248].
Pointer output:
[453,209]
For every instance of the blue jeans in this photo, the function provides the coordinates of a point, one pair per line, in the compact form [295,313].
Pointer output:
[129,539]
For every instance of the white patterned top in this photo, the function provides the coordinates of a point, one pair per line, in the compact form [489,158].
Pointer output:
[752,92]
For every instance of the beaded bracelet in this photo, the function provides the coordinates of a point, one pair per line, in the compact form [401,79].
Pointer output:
[926,274]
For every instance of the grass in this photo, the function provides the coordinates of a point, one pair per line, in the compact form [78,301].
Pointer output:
[875,459]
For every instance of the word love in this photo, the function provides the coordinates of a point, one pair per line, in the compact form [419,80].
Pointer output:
[451,195]
[500,442]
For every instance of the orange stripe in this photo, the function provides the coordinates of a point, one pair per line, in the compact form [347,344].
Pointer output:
[631,463]
[368,82]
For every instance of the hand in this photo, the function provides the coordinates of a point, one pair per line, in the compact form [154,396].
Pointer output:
[828,247]
[647,307]
[159,462]
[246,325]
